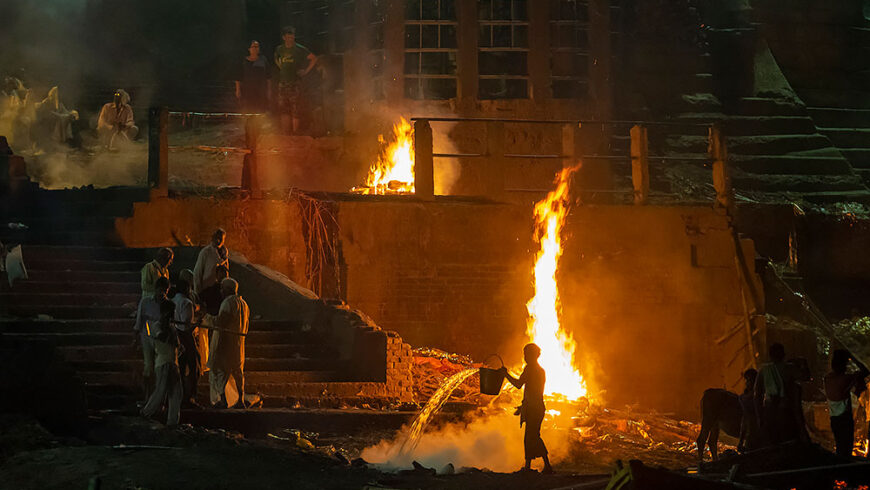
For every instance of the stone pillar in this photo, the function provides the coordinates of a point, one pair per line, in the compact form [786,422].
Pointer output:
[424,167]
[466,62]
[158,151]
[600,89]
[494,178]
[640,164]
[250,174]
[394,52]
[721,176]
[539,51]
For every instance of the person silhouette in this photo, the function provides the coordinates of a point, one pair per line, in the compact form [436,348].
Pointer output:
[532,410]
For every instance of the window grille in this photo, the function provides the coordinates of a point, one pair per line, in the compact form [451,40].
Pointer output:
[503,49]
[430,49]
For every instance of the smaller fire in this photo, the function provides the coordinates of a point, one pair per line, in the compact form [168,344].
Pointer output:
[393,172]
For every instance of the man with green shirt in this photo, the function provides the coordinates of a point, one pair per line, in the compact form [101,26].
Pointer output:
[294,61]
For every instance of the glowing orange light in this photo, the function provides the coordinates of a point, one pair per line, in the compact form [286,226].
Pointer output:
[393,172]
[543,327]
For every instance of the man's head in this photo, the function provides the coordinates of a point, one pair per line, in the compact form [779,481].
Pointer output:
[749,376]
[186,275]
[254,49]
[229,287]
[221,272]
[121,97]
[161,287]
[531,353]
[776,352]
[218,237]
[164,256]
[182,287]
[840,360]
[288,34]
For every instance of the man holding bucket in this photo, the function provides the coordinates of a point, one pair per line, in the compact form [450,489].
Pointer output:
[532,409]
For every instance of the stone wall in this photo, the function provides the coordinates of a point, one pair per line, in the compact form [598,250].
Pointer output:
[650,293]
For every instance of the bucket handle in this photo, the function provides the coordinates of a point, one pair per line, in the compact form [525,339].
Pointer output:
[495,355]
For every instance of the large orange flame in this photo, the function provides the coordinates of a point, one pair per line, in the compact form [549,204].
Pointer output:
[393,172]
[542,327]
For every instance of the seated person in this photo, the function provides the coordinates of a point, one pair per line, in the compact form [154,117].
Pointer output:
[54,119]
[116,120]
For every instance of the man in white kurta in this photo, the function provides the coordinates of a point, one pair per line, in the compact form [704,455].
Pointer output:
[228,357]
[211,256]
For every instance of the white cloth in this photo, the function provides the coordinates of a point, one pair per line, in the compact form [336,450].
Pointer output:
[206,263]
[112,116]
[183,312]
[15,265]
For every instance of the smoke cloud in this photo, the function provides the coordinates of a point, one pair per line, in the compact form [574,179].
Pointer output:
[491,439]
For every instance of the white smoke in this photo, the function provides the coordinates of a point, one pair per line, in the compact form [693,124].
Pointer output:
[492,439]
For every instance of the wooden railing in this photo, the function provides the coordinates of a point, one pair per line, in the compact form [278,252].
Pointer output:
[496,157]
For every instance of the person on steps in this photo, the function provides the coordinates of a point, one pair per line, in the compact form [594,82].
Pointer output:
[839,386]
[188,359]
[166,375]
[211,256]
[228,357]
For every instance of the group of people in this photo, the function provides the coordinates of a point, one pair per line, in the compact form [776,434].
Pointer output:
[291,64]
[769,411]
[195,324]
[44,126]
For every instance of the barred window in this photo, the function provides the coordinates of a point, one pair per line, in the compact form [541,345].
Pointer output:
[569,48]
[503,49]
[430,49]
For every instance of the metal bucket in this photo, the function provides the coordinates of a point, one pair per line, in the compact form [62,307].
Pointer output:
[491,380]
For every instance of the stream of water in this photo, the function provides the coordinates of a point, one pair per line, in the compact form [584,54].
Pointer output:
[432,407]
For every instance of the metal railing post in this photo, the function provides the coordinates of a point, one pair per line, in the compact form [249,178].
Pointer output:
[640,163]
[424,163]
[158,151]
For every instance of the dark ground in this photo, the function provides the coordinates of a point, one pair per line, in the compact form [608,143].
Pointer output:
[195,458]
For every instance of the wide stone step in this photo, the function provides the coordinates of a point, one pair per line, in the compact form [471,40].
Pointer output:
[261,352]
[767,125]
[84,276]
[849,99]
[68,299]
[788,165]
[71,312]
[50,252]
[34,264]
[77,338]
[763,106]
[266,381]
[59,237]
[50,287]
[858,157]
[84,325]
[798,183]
[753,145]
[104,353]
[848,137]
[835,117]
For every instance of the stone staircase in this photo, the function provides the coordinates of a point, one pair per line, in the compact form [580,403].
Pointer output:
[776,147]
[82,293]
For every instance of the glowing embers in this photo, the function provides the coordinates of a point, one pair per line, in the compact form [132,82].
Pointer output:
[542,326]
[393,173]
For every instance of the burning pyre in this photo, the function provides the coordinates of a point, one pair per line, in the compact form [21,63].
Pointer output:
[393,172]
[543,327]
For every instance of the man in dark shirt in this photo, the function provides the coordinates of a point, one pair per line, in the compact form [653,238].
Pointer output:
[532,409]
[294,61]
